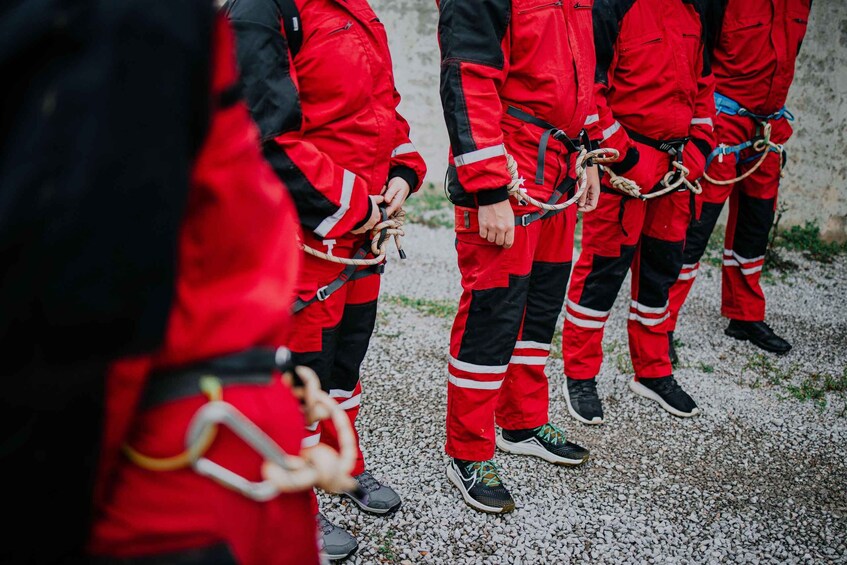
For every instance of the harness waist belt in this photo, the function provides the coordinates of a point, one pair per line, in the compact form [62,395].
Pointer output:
[252,366]
[526,219]
[728,106]
[573,144]
[672,147]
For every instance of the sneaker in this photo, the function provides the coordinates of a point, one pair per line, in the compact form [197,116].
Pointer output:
[667,392]
[583,402]
[374,497]
[480,485]
[672,351]
[336,543]
[547,442]
[759,334]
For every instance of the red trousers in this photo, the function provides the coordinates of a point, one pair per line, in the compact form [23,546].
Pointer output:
[752,204]
[511,300]
[331,337]
[622,234]
[159,512]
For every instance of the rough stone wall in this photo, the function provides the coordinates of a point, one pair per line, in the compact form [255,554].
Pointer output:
[815,185]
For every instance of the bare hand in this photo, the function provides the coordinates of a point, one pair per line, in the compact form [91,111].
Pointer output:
[588,200]
[396,192]
[497,223]
[375,217]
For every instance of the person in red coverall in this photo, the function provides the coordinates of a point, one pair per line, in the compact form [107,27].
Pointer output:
[654,95]
[237,267]
[319,82]
[515,81]
[755,49]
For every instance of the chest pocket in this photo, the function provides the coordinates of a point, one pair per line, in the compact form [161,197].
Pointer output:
[745,35]
[529,7]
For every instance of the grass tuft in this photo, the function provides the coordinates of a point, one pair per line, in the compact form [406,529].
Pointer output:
[445,309]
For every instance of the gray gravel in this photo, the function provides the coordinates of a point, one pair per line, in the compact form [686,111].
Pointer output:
[759,477]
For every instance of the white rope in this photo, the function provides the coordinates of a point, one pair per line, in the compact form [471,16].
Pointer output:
[393,229]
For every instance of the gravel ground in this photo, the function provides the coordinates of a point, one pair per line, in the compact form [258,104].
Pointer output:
[760,476]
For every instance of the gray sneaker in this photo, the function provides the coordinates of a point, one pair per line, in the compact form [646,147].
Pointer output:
[373,497]
[336,543]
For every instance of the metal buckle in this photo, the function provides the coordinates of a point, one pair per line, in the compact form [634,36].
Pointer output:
[322,293]
[525,220]
[223,413]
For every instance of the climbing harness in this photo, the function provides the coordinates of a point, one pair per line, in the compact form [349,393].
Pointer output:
[316,466]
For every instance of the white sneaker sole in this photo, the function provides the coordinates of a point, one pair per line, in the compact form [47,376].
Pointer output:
[642,390]
[457,481]
[523,448]
[597,420]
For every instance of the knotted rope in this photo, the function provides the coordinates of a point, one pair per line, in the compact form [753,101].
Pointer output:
[584,160]
[387,228]
[672,180]
[763,146]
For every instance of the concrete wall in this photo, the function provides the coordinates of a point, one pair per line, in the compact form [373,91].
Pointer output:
[815,186]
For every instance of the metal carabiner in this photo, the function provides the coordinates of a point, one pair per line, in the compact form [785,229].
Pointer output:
[219,412]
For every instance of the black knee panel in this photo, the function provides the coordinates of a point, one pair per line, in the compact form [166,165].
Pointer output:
[699,232]
[544,300]
[605,279]
[660,263]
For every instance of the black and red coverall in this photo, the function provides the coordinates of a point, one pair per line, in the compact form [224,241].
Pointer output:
[653,85]
[236,273]
[755,49]
[511,71]
[332,133]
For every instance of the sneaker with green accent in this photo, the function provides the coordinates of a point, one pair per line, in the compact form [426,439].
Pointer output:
[480,485]
[547,442]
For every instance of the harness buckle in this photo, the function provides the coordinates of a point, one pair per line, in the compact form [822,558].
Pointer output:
[526,220]
[322,293]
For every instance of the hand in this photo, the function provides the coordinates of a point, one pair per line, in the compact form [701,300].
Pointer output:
[589,199]
[375,216]
[497,223]
[396,192]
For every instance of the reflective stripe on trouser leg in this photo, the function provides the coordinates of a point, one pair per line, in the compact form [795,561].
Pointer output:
[696,241]
[748,227]
[656,267]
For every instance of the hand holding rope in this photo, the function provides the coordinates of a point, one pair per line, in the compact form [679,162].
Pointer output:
[673,180]
[763,146]
[387,228]
[584,160]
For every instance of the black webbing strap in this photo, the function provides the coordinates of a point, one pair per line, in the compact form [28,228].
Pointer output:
[672,147]
[574,145]
[253,366]
[290,17]
[527,219]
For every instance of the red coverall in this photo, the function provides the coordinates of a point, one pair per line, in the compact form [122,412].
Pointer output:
[332,133]
[652,83]
[753,63]
[236,274]
[536,56]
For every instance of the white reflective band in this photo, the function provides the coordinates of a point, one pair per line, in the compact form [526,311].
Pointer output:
[751,270]
[743,260]
[688,276]
[527,360]
[648,321]
[310,441]
[649,309]
[532,345]
[586,311]
[594,324]
[402,149]
[479,385]
[703,122]
[690,266]
[478,369]
[592,119]
[347,183]
[479,155]
[351,402]
[340,393]
[312,427]
[610,131]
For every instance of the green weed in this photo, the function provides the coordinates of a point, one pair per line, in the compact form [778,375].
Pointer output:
[386,548]
[445,309]
[429,207]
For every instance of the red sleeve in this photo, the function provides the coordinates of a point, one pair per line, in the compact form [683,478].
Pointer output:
[474,65]
[406,162]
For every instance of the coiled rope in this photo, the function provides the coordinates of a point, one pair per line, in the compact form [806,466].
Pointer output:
[387,228]
[763,146]
[673,180]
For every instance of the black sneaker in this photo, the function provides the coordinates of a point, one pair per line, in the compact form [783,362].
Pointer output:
[373,496]
[583,402]
[672,351]
[480,485]
[667,392]
[336,544]
[547,442]
[759,334]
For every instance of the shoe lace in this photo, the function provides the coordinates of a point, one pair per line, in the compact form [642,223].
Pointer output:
[486,472]
[551,434]
[368,482]
[325,525]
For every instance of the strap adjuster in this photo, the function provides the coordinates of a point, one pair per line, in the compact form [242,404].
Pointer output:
[322,293]
[526,219]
